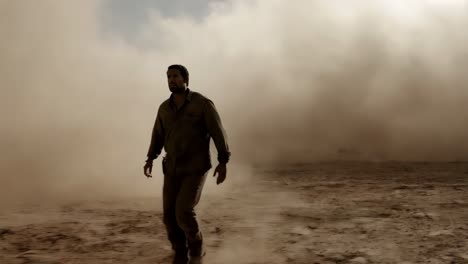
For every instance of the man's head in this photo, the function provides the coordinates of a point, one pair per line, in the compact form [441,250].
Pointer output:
[177,78]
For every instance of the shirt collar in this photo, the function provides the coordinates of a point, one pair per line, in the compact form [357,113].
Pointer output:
[188,96]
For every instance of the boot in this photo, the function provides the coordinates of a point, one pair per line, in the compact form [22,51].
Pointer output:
[197,259]
[196,249]
[180,252]
[180,259]
[180,256]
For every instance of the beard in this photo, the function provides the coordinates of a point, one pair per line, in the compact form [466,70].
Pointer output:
[177,89]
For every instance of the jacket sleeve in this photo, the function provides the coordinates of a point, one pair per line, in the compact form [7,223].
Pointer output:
[216,131]
[157,138]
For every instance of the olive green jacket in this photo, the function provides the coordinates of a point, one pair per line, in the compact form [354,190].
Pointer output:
[185,134]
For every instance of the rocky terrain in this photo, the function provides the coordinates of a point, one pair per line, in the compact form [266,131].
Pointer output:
[324,212]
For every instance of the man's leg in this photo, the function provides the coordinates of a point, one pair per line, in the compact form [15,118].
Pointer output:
[175,234]
[187,200]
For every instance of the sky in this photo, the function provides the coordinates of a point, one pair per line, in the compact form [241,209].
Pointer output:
[126,17]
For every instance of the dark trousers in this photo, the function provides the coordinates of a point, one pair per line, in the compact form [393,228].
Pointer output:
[181,194]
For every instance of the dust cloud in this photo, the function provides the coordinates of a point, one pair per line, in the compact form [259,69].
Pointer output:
[293,81]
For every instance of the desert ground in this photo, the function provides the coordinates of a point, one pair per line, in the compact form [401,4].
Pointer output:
[321,212]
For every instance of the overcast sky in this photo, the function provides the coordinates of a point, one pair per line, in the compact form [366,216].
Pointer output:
[125,16]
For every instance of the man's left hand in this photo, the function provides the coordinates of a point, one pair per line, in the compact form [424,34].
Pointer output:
[221,171]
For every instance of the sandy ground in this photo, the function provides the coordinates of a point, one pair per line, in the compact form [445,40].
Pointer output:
[333,212]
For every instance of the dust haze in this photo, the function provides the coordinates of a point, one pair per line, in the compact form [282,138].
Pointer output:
[294,82]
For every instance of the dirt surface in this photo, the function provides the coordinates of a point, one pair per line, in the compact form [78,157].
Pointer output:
[332,212]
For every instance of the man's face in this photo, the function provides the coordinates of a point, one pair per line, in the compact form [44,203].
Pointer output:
[175,81]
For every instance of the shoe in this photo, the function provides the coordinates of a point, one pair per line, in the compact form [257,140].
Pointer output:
[180,254]
[197,259]
[180,259]
[196,248]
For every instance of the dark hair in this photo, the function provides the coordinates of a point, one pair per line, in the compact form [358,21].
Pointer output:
[183,71]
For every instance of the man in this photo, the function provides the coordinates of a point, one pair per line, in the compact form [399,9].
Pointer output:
[184,125]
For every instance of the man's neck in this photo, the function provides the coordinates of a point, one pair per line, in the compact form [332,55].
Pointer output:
[179,98]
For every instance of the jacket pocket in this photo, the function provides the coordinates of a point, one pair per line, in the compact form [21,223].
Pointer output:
[192,117]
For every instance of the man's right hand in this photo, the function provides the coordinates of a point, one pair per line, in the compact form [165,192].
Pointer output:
[148,168]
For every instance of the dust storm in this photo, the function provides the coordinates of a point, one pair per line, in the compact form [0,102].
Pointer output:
[294,81]
[309,80]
